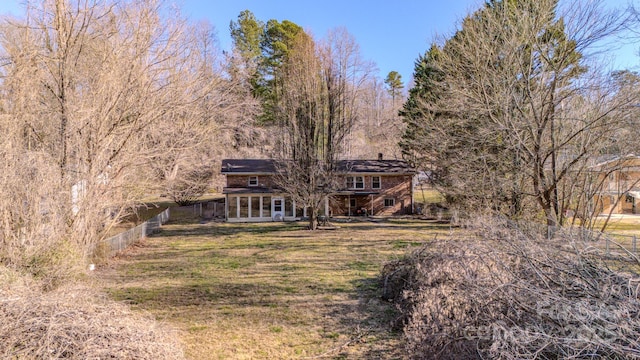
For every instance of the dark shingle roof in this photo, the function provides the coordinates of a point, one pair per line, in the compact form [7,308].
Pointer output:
[249,190]
[249,166]
[267,166]
[375,166]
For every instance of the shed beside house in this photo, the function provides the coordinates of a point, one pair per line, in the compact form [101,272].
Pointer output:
[371,187]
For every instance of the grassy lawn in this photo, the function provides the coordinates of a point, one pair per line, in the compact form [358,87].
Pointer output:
[427,195]
[627,225]
[269,291]
[622,229]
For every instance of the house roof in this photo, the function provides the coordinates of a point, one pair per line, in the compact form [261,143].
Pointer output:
[627,162]
[375,166]
[248,166]
[249,190]
[267,166]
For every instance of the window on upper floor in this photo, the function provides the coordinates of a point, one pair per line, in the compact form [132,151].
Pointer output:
[253,181]
[375,182]
[355,182]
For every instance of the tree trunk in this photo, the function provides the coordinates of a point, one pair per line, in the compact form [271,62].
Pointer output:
[313,219]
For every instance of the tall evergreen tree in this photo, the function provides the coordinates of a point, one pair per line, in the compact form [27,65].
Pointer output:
[416,113]
[264,49]
[247,34]
[277,44]
[394,84]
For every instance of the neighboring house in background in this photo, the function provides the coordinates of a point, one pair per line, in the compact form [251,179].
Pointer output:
[621,185]
[371,187]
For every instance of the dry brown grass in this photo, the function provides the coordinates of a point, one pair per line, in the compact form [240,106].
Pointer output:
[75,322]
[269,291]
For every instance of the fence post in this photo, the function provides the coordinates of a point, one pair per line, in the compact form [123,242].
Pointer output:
[634,241]
[606,239]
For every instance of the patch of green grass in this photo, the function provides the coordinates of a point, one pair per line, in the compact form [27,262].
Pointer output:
[196,328]
[427,195]
[618,223]
[359,265]
[617,226]
[331,335]
[275,329]
[368,285]
[403,244]
[233,263]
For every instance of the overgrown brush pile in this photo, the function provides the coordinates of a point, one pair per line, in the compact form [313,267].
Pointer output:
[74,322]
[506,294]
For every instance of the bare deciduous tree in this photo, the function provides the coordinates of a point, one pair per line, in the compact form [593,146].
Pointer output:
[191,135]
[318,106]
[521,110]
[379,127]
[111,94]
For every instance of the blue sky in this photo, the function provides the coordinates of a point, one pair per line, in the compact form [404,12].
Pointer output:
[390,33]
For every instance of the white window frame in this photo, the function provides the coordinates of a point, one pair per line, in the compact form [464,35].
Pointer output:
[253,183]
[379,182]
[280,205]
[391,200]
[352,182]
[252,210]
[236,200]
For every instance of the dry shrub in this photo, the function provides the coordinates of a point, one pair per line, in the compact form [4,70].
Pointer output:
[506,294]
[75,322]
[34,234]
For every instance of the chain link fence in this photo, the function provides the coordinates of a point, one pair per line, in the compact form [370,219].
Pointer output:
[612,244]
[111,246]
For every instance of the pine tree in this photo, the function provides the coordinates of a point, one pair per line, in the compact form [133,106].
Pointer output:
[394,85]
[415,113]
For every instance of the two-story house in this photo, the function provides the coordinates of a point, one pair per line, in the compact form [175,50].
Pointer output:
[620,179]
[371,187]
